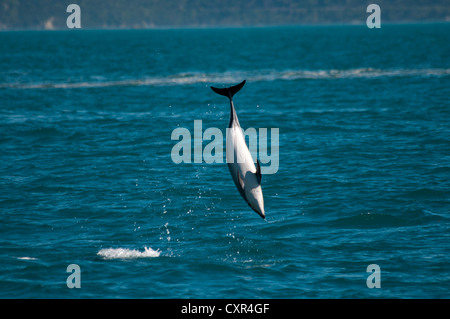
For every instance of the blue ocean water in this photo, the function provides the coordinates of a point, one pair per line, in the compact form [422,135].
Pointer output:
[87,177]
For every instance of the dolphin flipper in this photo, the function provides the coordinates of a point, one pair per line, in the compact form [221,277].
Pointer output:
[258,172]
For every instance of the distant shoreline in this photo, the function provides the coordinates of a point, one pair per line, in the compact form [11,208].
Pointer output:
[194,27]
[185,14]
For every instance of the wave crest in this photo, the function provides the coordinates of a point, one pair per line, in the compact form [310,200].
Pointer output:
[189,78]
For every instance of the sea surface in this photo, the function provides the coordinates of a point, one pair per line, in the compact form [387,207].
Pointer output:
[87,175]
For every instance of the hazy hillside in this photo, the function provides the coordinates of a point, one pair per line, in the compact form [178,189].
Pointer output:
[51,14]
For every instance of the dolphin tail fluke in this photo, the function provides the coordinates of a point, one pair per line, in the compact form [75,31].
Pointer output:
[229,92]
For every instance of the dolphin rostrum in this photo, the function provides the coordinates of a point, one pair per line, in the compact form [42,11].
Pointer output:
[246,176]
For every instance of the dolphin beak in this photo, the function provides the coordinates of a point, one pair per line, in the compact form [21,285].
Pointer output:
[262,214]
[258,211]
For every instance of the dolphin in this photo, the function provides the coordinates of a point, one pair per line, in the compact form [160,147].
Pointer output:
[246,175]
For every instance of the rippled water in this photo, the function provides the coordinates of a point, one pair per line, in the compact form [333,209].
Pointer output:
[87,176]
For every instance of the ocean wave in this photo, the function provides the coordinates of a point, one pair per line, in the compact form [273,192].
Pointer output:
[189,78]
[410,217]
[369,220]
[124,253]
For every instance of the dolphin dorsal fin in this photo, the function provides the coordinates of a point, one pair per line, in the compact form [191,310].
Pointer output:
[258,172]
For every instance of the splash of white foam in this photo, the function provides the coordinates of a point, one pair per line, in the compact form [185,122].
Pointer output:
[26,258]
[124,253]
[234,76]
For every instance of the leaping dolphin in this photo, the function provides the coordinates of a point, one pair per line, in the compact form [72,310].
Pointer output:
[246,176]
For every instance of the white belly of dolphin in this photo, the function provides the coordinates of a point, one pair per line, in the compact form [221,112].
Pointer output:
[243,170]
[238,152]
